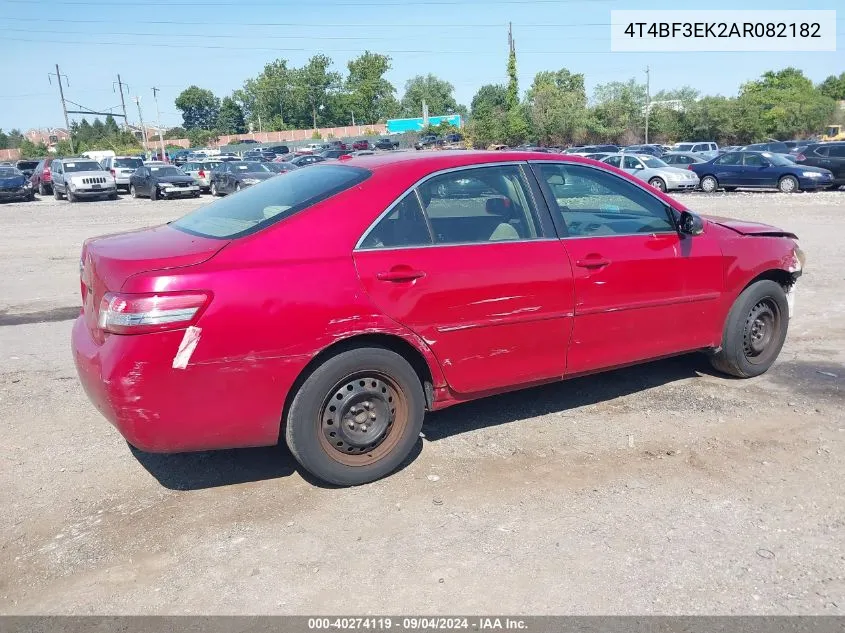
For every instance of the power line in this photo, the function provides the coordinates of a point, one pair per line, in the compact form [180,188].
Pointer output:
[242,4]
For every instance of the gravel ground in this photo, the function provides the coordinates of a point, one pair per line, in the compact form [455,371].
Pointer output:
[663,488]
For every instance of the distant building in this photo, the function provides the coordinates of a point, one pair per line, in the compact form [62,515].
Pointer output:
[50,136]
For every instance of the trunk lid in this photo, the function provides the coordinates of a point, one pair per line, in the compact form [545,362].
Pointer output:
[108,261]
[744,227]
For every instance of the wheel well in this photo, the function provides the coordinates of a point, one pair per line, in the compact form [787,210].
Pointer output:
[777,275]
[386,341]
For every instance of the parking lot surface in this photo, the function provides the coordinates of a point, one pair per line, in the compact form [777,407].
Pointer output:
[664,488]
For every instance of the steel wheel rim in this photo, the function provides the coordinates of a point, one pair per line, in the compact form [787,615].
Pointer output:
[657,184]
[708,184]
[787,185]
[760,332]
[362,418]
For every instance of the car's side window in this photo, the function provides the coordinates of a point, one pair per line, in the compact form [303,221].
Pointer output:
[754,160]
[593,202]
[631,163]
[615,161]
[836,151]
[404,226]
[480,204]
[822,150]
[734,158]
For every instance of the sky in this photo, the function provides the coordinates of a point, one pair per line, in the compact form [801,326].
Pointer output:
[217,44]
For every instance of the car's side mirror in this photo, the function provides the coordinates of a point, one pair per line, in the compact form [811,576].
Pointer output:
[690,223]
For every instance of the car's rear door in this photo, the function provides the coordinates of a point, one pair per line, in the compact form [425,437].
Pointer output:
[468,261]
[641,290]
[757,171]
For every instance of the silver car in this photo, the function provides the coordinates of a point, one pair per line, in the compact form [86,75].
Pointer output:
[121,167]
[682,159]
[654,171]
[81,178]
[200,171]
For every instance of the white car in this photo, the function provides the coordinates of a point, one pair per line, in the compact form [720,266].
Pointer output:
[654,171]
[81,178]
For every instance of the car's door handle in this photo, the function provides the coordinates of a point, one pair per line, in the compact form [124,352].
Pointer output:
[593,262]
[400,274]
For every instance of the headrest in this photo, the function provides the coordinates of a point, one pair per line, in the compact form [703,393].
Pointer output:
[500,206]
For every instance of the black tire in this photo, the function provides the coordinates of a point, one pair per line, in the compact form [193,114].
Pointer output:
[730,188]
[237,187]
[658,183]
[133,192]
[113,195]
[330,442]
[154,193]
[833,188]
[42,191]
[56,194]
[788,184]
[754,331]
[71,197]
[213,189]
[709,184]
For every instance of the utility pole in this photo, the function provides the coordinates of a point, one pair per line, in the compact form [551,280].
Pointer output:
[353,119]
[158,122]
[122,102]
[137,101]
[647,99]
[64,106]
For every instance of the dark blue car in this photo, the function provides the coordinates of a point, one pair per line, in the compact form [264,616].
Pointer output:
[759,170]
[14,185]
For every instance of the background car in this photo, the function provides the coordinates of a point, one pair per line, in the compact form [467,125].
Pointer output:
[277,150]
[180,157]
[14,185]
[162,181]
[200,171]
[429,141]
[303,160]
[827,156]
[121,168]
[42,177]
[386,143]
[778,147]
[333,153]
[759,170]
[682,158]
[707,149]
[234,176]
[81,178]
[592,149]
[280,168]
[596,156]
[654,171]
[653,150]
[255,155]
[26,167]
[361,144]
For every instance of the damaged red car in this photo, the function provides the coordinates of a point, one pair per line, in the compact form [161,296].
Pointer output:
[335,305]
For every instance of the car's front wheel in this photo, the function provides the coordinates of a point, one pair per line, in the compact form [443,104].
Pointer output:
[356,417]
[154,193]
[133,192]
[788,184]
[56,194]
[755,331]
[42,191]
[214,191]
[709,184]
[658,183]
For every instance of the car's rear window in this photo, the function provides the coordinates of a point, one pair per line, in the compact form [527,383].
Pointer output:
[134,163]
[257,207]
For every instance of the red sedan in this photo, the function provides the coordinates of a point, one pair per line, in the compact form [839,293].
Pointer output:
[336,305]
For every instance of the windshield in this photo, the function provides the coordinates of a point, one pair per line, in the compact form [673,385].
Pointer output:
[652,162]
[684,147]
[9,172]
[133,163]
[165,171]
[275,199]
[82,165]
[27,164]
[777,159]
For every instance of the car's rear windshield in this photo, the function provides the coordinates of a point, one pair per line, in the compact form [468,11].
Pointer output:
[9,172]
[134,163]
[27,164]
[257,207]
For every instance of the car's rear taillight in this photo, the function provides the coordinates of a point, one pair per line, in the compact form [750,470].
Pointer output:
[690,167]
[800,158]
[201,174]
[143,313]
[112,172]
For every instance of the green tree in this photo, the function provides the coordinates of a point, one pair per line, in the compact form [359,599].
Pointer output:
[437,93]
[369,95]
[618,114]
[834,87]
[199,108]
[557,107]
[32,150]
[110,125]
[488,116]
[314,83]
[201,138]
[176,132]
[230,119]
[12,139]
[513,81]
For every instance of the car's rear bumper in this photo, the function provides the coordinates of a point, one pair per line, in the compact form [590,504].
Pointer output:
[207,405]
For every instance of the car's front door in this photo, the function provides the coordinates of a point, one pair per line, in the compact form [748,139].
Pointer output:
[758,172]
[641,290]
[468,263]
[58,177]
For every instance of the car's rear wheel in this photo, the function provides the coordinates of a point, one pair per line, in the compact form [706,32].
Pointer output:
[709,184]
[71,197]
[788,184]
[356,417]
[41,190]
[658,183]
[214,191]
[56,193]
[237,187]
[133,192]
[755,331]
